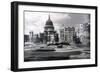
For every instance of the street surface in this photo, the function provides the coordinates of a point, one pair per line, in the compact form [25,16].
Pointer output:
[66,52]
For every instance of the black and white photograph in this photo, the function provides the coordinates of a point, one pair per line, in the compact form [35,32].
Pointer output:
[56,36]
[52,36]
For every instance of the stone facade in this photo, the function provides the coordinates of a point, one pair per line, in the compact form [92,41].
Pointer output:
[67,34]
[84,33]
[49,32]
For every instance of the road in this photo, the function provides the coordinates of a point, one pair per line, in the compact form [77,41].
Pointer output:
[67,52]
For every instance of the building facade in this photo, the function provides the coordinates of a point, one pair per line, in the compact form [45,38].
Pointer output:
[67,34]
[49,33]
[84,33]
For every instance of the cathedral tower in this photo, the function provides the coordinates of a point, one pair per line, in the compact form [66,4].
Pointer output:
[49,32]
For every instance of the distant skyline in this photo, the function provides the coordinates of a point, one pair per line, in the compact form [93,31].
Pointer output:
[35,21]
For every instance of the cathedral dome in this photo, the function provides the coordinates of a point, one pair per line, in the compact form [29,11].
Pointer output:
[49,23]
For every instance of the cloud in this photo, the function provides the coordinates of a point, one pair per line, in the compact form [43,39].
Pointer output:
[35,21]
[59,16]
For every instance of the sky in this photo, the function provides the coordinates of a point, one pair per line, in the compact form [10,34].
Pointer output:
[35,21]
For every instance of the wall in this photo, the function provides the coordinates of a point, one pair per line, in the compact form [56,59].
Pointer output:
[5,17]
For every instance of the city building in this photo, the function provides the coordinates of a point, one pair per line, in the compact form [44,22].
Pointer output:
[47,37]
[83,32]
[67,34]
[50,34]
[33,38]
[61,36]
[26,38]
